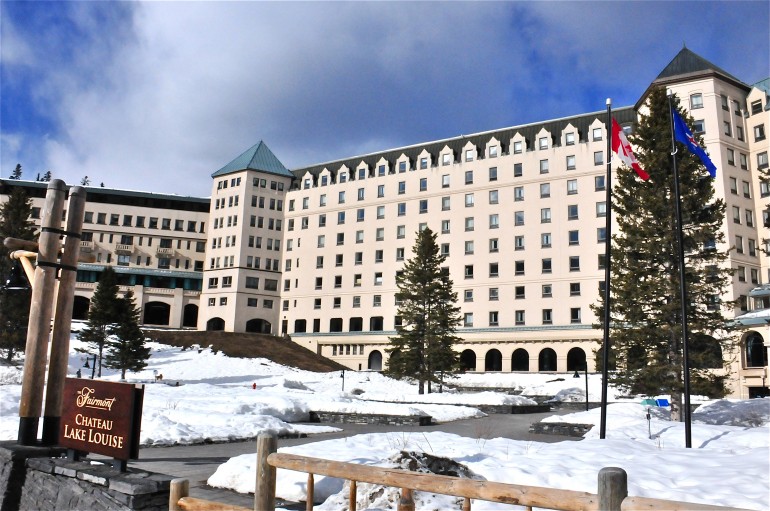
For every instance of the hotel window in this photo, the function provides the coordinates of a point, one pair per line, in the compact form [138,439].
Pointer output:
[423,206]
[445,249]
[494,270]
[381,170]
[741,273]
[744,161]
[746,189]
[469,155]
[340,238]
[493,173]
[517,147]
[574,289]
[399,254]
[321,220]
[469,247]
[519,317]
[764,191]
[493,151]
[469,200]
[736,214]
[727,128]
[752,248]
[518,267]
[338,260]
[739,244]
[545,215]
[545,240]
[725,104]
[572,212]
[545,190]
[569,138]
[469,223]
[517,170]
[444,227]
[213,282]
[321,241]
[731,157]
[468,319]
[494,221]
[401,166]
[546,266]
[358,258]
[696,101]
[321,200]
[212,302]
[401,208]
[423,163]
[739,133]
[376,300]
[547,317]
[762,160]
[749,218]
[446,159]
[423,184]
[468,177]
[380,212]
[543,142]
[754,276]
[759,132]
[574,315]
[468,271]
[445,203]
[493,197]
[319,261]
[518,193]
[518,218]
[756,107]
[519,292]
[340,218]
[597,133]
[601,261]
[494,245]
[574,263]
[572,188]
[601,209]
[378,279]
[598,157]
[574,237]
[547,290]
[400,231]
[379,234]
[571,162]
[601,234]
[494,294]
[493,318]
[544,166]
[359,236]
[357,280]
[699,126]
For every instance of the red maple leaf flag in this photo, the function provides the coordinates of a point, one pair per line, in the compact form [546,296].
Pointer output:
[622,148]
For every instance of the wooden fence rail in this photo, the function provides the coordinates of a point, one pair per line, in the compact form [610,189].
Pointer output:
[612,494]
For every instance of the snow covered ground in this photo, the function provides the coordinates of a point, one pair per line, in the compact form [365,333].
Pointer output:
[729,463]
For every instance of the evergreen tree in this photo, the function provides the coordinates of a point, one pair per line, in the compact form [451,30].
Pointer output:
[14,303]
[85,181]
[423,346]
[16,172]
[103,312]
[47,176]
[125,345]
[645,293]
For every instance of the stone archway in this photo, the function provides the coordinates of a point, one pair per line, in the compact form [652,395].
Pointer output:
[80,307]
[576,360]
[375,361]
[520,360]
[493,361]
[215,325]
[190,318]
[546,361]
[468,360]
[258,325]
[157,313]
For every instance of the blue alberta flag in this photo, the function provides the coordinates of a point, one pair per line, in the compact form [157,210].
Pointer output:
[683,134]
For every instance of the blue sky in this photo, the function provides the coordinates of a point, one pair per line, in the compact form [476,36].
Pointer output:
[156,96]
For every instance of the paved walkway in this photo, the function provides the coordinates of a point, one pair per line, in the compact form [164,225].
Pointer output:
[198,462]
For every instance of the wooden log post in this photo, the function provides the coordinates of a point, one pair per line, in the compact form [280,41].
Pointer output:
[180,488]
[264,490]
[352,495]
[613,488]
[40,311]
[62,320]
[406,502]
[310,492]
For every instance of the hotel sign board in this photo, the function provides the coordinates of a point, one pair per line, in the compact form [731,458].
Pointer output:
[101,417]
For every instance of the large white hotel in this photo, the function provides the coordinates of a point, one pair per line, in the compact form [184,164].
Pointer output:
[312,253]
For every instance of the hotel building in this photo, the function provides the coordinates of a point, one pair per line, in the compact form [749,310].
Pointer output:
[313,253]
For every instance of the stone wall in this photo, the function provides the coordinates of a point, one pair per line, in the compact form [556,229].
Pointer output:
[42,483]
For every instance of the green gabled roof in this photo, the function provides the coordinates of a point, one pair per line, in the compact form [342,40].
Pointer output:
[258,157]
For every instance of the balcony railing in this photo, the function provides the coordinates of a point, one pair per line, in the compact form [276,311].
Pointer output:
[86,246]
[121,248]
[165,251]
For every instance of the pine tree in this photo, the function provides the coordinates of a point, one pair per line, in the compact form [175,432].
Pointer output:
[125,345]
[47,176]
[103,312]
[16,174]
[423,346]
[14,303]
[646,333]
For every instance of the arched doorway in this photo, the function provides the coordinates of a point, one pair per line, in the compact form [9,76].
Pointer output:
[546,361]
[375,361]
[190,318]
[576,360]
[756,353]
[520,360]
[468,360]
[493,361]
[258,325]
[157,313]
[215,324]
[80,307]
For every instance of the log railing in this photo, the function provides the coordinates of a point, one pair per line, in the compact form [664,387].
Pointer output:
[612,489]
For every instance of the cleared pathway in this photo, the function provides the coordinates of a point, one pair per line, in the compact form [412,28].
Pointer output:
[198,462]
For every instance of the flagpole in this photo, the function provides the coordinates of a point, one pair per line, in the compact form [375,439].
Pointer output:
[607,265]
[682,286]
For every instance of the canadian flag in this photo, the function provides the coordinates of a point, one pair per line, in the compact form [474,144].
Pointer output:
[622,148]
